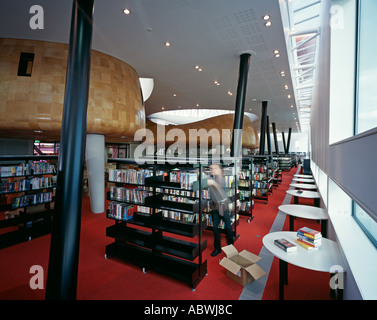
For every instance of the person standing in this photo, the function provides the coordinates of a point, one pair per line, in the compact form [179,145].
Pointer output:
[219,203]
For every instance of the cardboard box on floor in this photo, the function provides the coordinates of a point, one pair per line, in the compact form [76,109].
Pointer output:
[241,267]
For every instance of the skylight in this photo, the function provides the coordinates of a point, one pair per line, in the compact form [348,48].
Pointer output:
[184,116]
[303,24]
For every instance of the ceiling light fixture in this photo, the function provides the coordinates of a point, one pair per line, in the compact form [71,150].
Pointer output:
[282,73]
[266,17]
[276,53]
[126,11]
[167,44]
[268,23]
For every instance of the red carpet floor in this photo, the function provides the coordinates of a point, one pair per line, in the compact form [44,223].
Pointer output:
[111,279]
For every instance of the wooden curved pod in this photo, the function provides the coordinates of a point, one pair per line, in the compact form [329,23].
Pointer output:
[250,138]
[29,104]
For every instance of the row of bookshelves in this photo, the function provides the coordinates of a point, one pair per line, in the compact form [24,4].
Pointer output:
[27,193]
[9,186]
[26,169]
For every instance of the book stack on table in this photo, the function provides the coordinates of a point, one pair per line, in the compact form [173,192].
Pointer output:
[308,238]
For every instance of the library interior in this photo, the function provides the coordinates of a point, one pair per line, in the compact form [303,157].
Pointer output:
[188,150]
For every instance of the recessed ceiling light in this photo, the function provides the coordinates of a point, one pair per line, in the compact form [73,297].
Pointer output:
[289,96]
[126,11]
[286,87]
[174,94]
[282,73]
[266,17]
[268,23]
[163,108]
[167,44]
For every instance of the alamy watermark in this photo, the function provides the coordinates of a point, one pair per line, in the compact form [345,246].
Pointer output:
[37,280]
[37,20]
[196,147]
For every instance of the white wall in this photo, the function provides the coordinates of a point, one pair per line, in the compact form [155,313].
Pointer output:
[349,164]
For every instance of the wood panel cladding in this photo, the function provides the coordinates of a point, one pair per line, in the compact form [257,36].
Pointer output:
[250,138]
[35,103]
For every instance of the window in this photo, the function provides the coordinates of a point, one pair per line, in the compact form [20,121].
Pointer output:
[366,222]
[25,65]
[366,95]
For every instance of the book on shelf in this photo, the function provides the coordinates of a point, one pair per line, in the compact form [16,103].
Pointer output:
[285,245]
[121,211]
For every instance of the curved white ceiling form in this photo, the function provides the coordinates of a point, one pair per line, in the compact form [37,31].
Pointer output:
[184,116]
[147,85]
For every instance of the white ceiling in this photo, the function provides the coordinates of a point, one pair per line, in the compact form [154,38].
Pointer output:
[208,33]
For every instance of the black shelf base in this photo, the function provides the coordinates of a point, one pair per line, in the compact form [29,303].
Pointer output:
[186,271]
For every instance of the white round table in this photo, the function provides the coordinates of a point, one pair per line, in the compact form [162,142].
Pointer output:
[305,176]
[325,258]
[304,186]
[305,194]
[303,180]
[305,212]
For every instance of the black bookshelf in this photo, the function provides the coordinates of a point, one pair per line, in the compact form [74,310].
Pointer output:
[245,188]
[262,177]
[26,197]
[147,239]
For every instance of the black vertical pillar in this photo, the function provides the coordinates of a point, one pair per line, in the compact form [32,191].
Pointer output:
[289,139]
[268,136]
[285,146]
[275,138]
[65,236]
[240,104]
[263,121]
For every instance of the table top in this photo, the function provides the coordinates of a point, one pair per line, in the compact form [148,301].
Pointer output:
[305,176]
[304,194]
[303,185]
[303,180]
[303,211]
[322,258]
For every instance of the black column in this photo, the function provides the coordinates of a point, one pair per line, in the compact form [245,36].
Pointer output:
[285,146]
[289,139]
[275,138]
[268,136]
[65,237]
[240,103]
[263,121]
